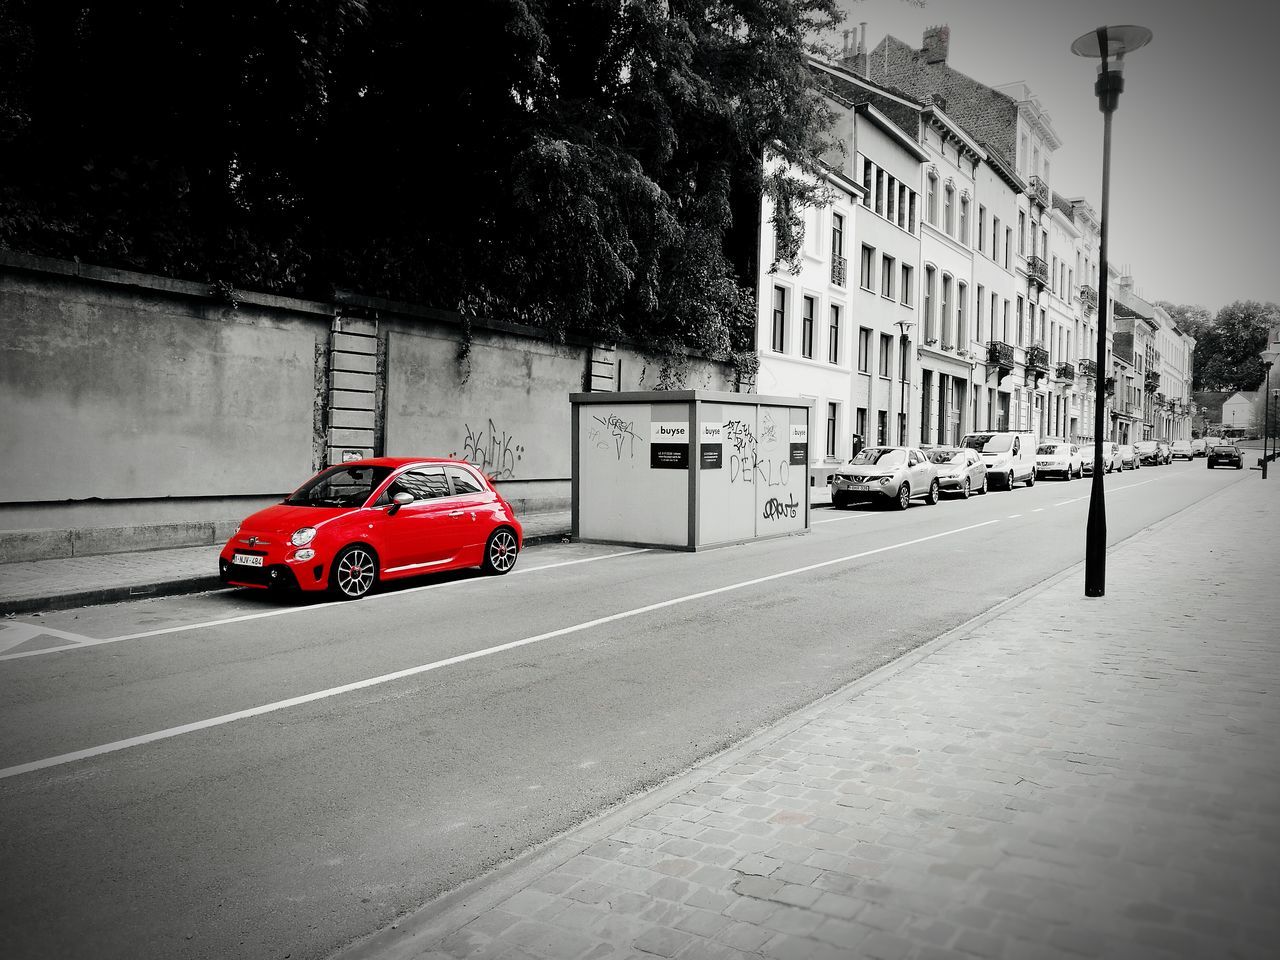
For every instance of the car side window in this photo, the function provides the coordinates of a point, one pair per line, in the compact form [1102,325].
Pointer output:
[424,483]
[463,482]
[914,459]
[1015,446]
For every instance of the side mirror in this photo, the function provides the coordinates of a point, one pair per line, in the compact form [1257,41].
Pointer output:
[398,501]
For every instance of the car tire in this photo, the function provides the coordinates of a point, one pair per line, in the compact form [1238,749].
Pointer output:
[964,489]
[1008,481]
[934,494]
[1031,479]
[1240,465]
[904,497]
[839,500]
[985,484]
[354,572]
[1209,465]
[1080,472]
[500,552]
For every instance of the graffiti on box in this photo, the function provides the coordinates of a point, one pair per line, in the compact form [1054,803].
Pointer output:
[494,451]
[614,434]
[745,463]
[775,509]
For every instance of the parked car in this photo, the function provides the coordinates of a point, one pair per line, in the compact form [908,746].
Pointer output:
[1182,450]
[893,475]
[960,470]
[1225,454]
[1198,447]
[1010,457]
[1110,457]
[1129,459]
[1166,451]
[355,524]
[1149,452]
[1059,459]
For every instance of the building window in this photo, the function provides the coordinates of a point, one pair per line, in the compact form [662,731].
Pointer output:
[931,199]
[833,336]
[1018,317]
[949,210]
[882,427]
[1008,242]
[868,259]
[982,228]
[837,235]
[964,220]
[928,303]
[861,424]
[1022,234]
[867,175]
[806,329]
[995,239]
[977,306]
[831,430]
[945,313]
[890,199]
[779,319]
[907,284]
[880,184]
[886,354]
[888,267]
[1005,319]
[911,228]
[864,350]
[903,194]
[962,326]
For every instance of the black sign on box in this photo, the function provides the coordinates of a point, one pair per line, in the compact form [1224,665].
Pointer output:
[710,456]
[669,456]
[799,454]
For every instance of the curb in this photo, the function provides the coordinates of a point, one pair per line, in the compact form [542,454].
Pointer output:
[405,937]
[199,583]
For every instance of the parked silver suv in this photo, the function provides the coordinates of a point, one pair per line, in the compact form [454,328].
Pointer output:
[895,475]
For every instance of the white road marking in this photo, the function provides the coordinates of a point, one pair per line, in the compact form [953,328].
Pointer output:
[90,642]
[1065,502]
[225,718]
[1038,510]
[15,633]
[854,516]
[1014,516]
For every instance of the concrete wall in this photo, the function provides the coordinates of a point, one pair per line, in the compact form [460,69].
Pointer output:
[142,412]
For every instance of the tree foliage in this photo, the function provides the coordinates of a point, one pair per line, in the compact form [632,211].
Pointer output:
[590,165]
[1227,356]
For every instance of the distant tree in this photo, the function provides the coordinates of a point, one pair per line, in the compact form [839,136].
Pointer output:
[1232,344]
[589,165]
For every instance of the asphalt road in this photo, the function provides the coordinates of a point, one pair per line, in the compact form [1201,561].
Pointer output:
[202,785]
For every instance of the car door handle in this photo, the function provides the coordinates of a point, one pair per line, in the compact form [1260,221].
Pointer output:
[456,513]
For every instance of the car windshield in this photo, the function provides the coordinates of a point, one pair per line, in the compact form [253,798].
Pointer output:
[987,443]
[945,456]
[1224,448]
[880,456]
[1049,449]
[339,486]
[1145,445]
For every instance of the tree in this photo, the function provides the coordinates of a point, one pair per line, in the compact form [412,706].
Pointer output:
[1232,344]
[588,165]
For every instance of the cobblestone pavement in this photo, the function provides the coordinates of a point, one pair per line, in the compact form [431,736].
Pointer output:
[37,584]
[1062,778]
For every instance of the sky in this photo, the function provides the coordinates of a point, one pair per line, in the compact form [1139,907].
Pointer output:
[1195,142]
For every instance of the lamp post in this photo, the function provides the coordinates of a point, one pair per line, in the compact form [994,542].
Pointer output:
[904,328]
[1269,355]
[1104,43]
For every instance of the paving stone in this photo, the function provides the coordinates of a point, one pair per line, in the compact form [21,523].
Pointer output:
[662,942]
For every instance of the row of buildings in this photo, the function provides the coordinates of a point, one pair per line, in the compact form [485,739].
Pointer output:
[947,287]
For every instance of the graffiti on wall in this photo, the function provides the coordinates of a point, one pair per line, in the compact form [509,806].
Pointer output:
[614,434]
[745,463]
[492,450]
[775,509]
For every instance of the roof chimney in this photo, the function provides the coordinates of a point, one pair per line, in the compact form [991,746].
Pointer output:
[862,39]
[936,41]
[854,58]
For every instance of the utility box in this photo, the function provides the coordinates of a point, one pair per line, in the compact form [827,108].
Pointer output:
[687,469]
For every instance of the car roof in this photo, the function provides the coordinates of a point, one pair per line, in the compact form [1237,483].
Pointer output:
[396,462]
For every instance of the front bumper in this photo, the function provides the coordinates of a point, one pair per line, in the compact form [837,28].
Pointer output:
[842,489]
[951,482]
[281,569]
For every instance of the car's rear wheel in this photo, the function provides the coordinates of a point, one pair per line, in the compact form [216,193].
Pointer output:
[964,489]
[501,551]
[1209,465]
[935,492]
[1031,479]
[354,572]
[904,497]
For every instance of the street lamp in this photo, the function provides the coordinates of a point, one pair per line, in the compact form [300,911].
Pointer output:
[1104,43]
[904,327]
[1269,355]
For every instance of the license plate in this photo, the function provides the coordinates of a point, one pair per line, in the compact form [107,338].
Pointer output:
[246,559]
[861,486]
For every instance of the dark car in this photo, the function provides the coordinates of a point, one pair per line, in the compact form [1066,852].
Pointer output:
[1149,452]
[1226,454]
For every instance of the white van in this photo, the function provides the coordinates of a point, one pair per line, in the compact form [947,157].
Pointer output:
[1010,456]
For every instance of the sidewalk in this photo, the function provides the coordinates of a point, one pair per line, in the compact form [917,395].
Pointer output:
[74,581]
[1059,778]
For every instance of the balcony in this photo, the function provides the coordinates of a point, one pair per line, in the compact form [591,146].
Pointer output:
[1067,371]
[1038,190]
[1109,386]
[839,270]
[1038,270]
[1000,355]
[1088,368]
[1152,382]
[1088,298]
[1037,359]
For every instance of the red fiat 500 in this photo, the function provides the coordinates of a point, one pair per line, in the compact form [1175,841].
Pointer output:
[357,523]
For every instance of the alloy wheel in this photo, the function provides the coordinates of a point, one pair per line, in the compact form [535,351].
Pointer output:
[964,490]
[354,572]
[904,497]
[500,554]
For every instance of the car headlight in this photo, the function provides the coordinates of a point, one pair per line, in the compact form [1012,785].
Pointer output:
[305,554]
[886,479]
[302,536]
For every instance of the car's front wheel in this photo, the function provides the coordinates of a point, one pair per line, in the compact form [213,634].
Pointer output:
[904,497]
[1209,465]
[935,492]
[839,499]
[354,572]
[1031,479]
[964,489]
[501,551]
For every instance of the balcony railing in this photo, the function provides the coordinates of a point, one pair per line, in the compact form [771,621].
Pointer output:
[1088,298]
[1088,368]
[1152,381]
[839,270]
[1038,270]
[1037,359]
[1001,355]
[1109,386]
[1038,190]
[1066,371]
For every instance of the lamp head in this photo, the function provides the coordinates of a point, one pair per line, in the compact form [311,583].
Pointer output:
[1119,40]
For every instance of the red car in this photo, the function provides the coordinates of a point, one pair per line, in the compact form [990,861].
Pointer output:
[356,523]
